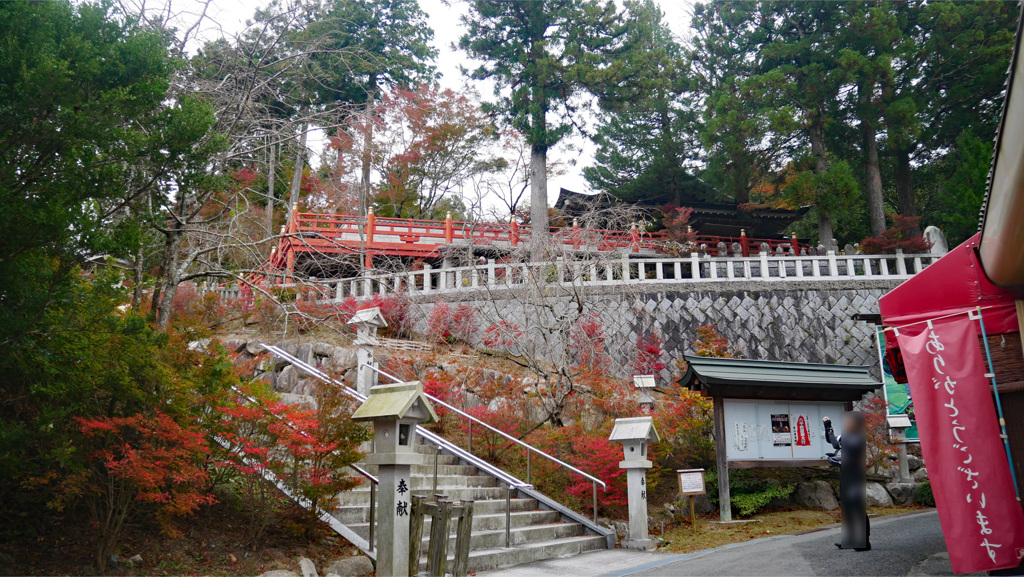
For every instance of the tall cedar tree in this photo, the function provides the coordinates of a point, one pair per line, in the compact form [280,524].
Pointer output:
[644,149]
[545,57]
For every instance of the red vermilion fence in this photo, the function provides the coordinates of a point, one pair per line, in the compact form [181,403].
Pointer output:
[339,234]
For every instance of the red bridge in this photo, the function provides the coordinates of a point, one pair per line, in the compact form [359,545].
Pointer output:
[311,240]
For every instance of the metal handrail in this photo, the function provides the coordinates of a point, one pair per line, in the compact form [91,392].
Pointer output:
[528,447]
[501,475]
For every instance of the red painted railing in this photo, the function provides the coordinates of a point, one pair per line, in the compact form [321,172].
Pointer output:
[338,234]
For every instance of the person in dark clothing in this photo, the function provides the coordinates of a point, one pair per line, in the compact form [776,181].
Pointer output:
[852,456]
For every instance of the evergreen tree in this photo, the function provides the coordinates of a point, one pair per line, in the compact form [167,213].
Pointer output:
[545,56]
[646,151]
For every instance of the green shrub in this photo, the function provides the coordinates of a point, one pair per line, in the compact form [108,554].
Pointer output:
[749,492]
[747,504]
[923,494]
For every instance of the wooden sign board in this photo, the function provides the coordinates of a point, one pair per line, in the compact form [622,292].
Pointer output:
[691,481]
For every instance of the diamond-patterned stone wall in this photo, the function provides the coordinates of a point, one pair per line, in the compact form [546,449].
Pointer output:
[812,325]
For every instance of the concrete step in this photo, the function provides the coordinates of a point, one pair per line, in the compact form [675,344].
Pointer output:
[360,512]
[499,557]
[454,481]
[482,523]
[361,496]
[427,469]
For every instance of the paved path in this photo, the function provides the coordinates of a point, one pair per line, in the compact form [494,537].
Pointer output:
[902,545]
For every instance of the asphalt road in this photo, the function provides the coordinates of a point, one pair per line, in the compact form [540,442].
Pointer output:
[904,545]
[901,545]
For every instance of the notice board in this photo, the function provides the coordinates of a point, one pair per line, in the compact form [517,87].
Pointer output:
[778,430]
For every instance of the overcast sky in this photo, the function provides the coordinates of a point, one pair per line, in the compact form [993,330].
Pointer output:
[445,21]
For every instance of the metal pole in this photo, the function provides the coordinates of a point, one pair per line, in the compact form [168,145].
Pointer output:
[470,449]
[999,405]
[528,466]
[594,483]
[508,516]
[373,511]
[437,451]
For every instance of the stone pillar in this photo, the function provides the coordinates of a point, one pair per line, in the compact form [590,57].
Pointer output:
[395,411]
[635,434]
[366,321]
[364,374]
[393,509]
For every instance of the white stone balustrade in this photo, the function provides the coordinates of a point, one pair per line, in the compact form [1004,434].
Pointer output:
[609,272]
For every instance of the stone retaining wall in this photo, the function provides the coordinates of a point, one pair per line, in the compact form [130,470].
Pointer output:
[810,322]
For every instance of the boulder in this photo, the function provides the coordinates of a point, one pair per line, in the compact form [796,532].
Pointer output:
[355,566]
[201,345]
[254,348]
[323,349]
[914,462]
[621,528]
[781,502]
[287,380]
[902,493]
[280,573]
[235,346]
[343,359]
[306,387]
[290,346]
[307,567]
[920,475]
[269,377]
[877,496]
[702,505]
[305,353]
[815,495]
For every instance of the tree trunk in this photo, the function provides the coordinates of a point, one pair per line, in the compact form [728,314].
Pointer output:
[169,282]
[367,159]
[538,202]
[293,198]
[741,192]
[872,172]
[816,134]
[137,267]
[905,187]
[271,175]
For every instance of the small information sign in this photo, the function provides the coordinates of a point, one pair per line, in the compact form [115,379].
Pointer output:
[691,481]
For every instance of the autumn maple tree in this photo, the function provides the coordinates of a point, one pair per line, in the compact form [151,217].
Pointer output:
[422,143]
[140,461]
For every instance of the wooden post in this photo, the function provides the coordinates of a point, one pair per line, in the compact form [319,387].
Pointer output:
[514,236]
[463,534]
[743,242]
[438,551]
[415,534]
[724,505]
[693,516]
[449,230]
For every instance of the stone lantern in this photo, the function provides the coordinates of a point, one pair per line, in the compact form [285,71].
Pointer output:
[367,321]
[636,434]
[395,410]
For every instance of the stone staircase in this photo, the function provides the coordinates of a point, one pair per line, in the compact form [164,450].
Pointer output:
[539,528]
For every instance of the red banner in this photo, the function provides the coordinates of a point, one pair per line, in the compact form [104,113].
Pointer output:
[981,519]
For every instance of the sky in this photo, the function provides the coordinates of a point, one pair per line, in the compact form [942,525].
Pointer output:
[575,153]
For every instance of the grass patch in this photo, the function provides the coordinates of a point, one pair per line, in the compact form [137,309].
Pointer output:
[710,533]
